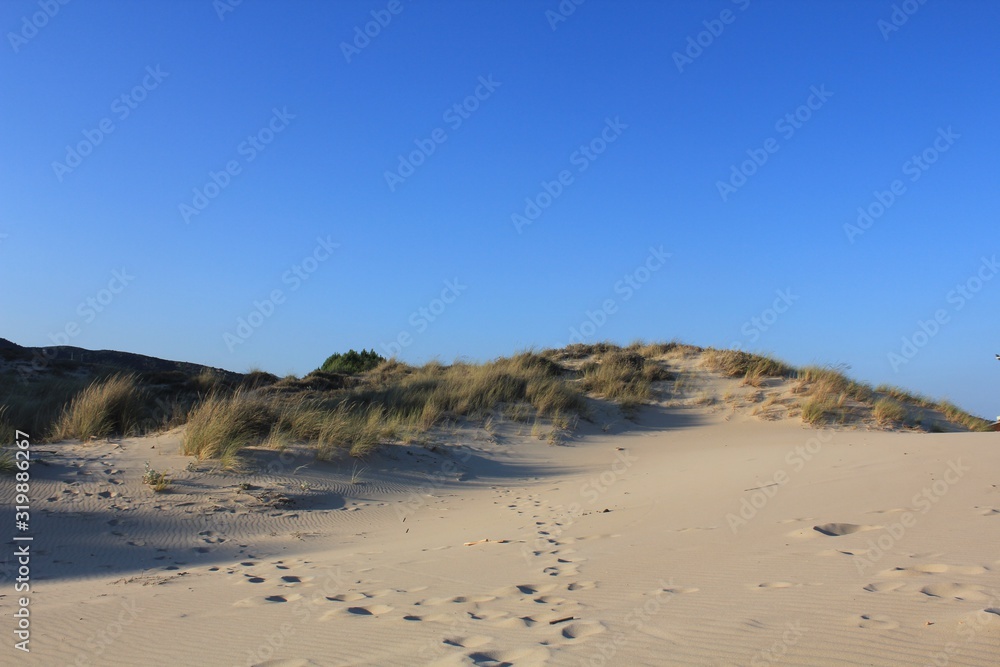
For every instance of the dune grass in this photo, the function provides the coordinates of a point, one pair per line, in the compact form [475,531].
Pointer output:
[340,413]
[33,406]
[623,376]
[955,414]
[822,409]
[8,466]
[889,411]
[736,363]
[432,392]
[392,401]
[220,426]
[115,406]
[821,381]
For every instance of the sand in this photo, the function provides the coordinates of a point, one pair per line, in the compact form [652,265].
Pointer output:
[696,535]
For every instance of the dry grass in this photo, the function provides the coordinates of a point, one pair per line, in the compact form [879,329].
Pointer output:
[959,416]
[220,426]
[822,409]
[736,363]
[904,396]
[889,411]
[116,406]
[158,481]
[433,392]
[8,466]
[33,406]
[818,381]
[624,377]
[391,399]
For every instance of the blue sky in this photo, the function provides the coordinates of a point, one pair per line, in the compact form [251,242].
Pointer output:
[216,155]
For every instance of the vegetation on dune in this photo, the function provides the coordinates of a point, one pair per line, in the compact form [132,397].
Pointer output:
[433,391]
[220,425]
[8,466]
[889,411]
[822,410]
[34,406]
[352,362]
[623,376]
[358,400]
[736,363]
[116,406]
[815,380]
[955,414]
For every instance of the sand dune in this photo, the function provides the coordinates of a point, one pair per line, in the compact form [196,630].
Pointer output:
[695,535]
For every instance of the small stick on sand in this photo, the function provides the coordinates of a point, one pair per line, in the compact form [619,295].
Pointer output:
[470,544]
[562,620]
[485,539]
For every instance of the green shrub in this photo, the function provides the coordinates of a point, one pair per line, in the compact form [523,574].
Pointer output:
[352,362]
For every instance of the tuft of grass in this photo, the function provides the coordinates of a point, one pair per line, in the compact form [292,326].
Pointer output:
[356,474]
[904,396]
[736,363]
[158,481]
[256,377]
[8,466]
[33,406]
[116,406]
[820,410]
[623,376]
[353,429]
[206,382]
[889,411]
[955,414]
[823,381]
[220,426]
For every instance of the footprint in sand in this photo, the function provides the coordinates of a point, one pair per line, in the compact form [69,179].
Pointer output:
[475,641]
[579,630]
[347,597]
[525,657]
[840,529]
[270,599]
[488,615]
[877,622]
[561,570]
[526,589]
[777,584]
[371,610]
[554,600]
[884,586]
[581,585]
[955,591]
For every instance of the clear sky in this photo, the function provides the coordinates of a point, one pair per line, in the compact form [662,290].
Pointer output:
[263,184]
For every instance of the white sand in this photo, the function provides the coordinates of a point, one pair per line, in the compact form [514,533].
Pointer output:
[207,575]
